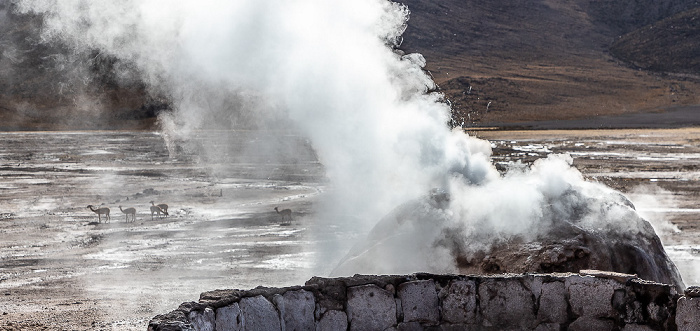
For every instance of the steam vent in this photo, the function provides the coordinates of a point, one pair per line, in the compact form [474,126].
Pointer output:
[590,300]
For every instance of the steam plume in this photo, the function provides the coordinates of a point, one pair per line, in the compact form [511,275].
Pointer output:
[329,67]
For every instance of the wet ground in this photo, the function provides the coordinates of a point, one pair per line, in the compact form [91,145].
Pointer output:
[61,269]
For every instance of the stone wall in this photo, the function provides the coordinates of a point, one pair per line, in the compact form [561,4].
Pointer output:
[591,300]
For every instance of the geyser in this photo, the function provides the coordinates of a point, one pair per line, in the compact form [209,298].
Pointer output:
[522,223]
[333,71]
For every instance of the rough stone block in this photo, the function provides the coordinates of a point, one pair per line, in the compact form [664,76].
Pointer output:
[553,304]
[506,303]
[459,302]
[259,314]
[688,314]
[370,308]
[590,296]
[333,320]
[419,301]
[296,310]
[588,323]
[229,318]
[202,321]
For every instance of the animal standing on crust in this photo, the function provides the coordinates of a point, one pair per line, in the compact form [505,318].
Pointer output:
[100,212]
[286,215]
[127,212]
[156,210]
[163,207]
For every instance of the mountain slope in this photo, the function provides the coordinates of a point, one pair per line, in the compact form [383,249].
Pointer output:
[670,45]
[50,86]
[540,59]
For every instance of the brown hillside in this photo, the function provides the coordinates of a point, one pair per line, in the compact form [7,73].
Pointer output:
[670,45]
[533,60]
[49,86]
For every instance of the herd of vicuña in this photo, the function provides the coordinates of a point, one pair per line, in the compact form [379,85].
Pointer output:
[160,210]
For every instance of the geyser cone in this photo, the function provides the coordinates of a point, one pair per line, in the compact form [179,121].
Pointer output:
[571,226]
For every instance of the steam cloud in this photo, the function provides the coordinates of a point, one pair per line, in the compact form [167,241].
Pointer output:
[331,70]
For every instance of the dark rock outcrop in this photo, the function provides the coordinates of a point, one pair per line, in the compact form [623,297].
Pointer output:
[575,231]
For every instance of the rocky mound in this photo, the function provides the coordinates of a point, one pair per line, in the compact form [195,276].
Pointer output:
[579,230]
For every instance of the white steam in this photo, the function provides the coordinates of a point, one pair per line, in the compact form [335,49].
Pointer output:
[655,203]
[329,69]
